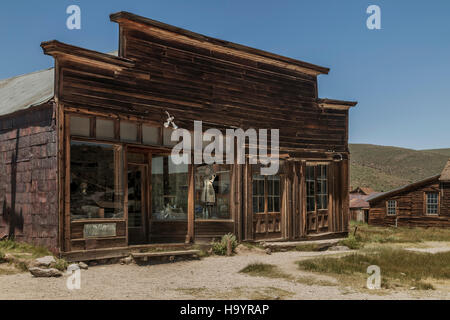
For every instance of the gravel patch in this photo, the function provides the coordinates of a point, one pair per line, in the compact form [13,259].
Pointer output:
[210,278]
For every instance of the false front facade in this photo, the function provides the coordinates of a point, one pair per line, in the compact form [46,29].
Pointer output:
[89,166]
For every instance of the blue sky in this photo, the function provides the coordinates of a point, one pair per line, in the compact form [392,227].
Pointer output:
[400,75]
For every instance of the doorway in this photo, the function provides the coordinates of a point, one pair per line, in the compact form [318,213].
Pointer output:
[157,197]
[137,203]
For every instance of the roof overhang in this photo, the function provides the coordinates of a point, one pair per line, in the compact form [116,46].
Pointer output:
[163,30]
[61,50]
[405,188]
[336,104]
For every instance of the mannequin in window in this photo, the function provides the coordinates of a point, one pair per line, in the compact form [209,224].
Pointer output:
[208,195]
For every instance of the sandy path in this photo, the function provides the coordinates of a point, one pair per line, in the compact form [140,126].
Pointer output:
[209,278]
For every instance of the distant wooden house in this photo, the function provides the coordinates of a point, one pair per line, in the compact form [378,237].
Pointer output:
[359,207]
[85,153]
[362,191]
[425,203]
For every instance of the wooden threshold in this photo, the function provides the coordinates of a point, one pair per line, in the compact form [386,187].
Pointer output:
[140,255]
[118,252]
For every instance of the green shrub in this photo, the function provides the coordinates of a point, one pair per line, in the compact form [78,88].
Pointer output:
[220,247]
[61,265]
[352,242]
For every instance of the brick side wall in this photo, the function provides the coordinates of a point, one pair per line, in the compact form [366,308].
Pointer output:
[28,177]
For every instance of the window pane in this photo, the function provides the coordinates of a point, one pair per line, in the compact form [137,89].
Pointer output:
[392,207]
[104,129]
[255,204]
[212,192]
[261,204]
[128,131]
[276,207]
[96,189]
[169,189]
[150,135]
[80,126]
[432,203]
[167,137]
[270,202]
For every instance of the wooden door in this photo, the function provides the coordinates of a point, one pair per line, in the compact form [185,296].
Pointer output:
[266,200]
[317,198]
[137,204]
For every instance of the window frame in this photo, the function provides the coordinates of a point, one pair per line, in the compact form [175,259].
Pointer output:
[389,207]
[316,180]
[229,195]
[120,188]
[266,194]
[437,204]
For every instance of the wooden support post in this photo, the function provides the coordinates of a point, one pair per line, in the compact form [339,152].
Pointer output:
[191,202]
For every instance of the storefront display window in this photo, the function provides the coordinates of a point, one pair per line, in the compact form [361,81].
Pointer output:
[212,191]
[96,181]
[169,189]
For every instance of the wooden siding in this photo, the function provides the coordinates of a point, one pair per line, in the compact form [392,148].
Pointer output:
[193,84]
[411,207]
[28,177]
[155,74]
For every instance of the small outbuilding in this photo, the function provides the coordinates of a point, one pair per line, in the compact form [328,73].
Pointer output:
[425,203]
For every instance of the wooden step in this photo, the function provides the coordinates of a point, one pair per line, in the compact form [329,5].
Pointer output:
[143,255]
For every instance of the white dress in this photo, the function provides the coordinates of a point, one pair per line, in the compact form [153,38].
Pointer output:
[208,193]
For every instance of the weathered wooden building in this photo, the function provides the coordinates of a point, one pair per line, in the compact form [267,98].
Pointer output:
[84,158]
[425,203]
[359,207]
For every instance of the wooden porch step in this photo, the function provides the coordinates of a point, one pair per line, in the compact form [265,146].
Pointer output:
[140,255]
[119,252]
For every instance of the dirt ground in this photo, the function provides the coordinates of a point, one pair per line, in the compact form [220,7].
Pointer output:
[210,278]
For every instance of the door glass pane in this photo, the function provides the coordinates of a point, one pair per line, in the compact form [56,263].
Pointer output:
[258,193]
[169,189]
[274,193]
[134,197]
[310,189]
[322,192]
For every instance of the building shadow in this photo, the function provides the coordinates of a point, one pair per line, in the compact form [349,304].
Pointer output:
[13,219]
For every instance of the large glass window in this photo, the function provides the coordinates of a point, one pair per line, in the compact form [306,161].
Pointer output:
[96,181]
[433,203]
[212,191]
[169,189]
[266,189]
[316,188]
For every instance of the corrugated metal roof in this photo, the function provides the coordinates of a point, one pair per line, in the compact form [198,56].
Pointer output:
[22,92]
